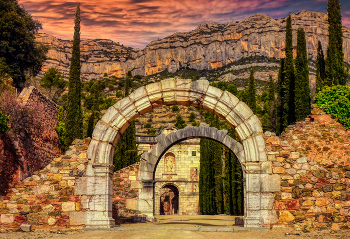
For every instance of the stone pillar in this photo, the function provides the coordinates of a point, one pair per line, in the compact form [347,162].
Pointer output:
[146,196]
[100,187]
[252,196]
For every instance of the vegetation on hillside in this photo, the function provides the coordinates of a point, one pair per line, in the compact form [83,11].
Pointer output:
[335,101]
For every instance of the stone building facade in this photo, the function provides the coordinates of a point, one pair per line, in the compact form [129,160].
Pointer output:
[176,176]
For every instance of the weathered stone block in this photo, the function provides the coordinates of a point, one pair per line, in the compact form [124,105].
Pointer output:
[68,206]
[209,103]
[286,216]
[51,221]
[7,218]
[253,182]
[253,201]
[26,227]
[269,216]
[77,218]
[270,183]
[243,111]
[267,200]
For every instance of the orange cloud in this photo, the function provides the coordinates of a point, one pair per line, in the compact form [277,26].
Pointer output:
[137,22]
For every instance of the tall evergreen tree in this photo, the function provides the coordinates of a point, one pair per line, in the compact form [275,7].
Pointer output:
[272,105]
[74,119]
[320,68]
[251,92]
[335,72]
[280,98]
[302,87]
[126,152]
[288,116]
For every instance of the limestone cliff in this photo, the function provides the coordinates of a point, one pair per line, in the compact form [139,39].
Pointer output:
[209,46]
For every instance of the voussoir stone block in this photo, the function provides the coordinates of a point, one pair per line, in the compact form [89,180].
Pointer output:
[214,92]
[209,103]
[138,94]
[250,149]
[200,86]
[243,111]
[154,91]
[104,132]
[233,118]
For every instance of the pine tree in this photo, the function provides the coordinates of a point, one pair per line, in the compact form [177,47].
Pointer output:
[252,92]
[335,73]
[272,106]
[288,116]
[320,68]
[302,87]
[280,98]
[74,119]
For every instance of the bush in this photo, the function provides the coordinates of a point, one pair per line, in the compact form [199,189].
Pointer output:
[147,125]
[119,94]
[3,122]
[152,131]
[192,117]
[335,101]
[175,108]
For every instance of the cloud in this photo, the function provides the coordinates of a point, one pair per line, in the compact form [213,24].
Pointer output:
[137,22]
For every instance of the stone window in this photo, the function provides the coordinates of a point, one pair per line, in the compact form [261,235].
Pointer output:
[194,153]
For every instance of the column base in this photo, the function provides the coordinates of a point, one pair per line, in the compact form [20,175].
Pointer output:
[253,222]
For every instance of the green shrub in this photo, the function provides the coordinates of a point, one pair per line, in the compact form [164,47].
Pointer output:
[3,122]
[147,125]
[335,101]
[152,131]
[175,108]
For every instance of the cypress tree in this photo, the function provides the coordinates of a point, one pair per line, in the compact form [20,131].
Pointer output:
[74,119]
[320,68]
[272,105]
[335,73]
[280,98]
[288,116]
[126,152]
[252,92]
[302,87]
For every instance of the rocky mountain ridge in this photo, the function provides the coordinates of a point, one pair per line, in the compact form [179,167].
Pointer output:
[209,46]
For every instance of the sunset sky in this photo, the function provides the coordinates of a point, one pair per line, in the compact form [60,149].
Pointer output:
[137,22]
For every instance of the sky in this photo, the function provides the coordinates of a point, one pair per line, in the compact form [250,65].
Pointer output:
[136,23]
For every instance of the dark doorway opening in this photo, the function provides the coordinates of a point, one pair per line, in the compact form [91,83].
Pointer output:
[169,200]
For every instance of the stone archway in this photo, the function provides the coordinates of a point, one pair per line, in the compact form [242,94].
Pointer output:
[259,183]
[97,186]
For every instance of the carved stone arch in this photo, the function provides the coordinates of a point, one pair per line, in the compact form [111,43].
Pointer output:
[97,186]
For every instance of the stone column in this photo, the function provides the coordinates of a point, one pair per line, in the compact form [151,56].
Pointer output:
[146,199]
[100,204]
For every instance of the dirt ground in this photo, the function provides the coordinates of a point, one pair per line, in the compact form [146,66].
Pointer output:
[171,234]
[175,227]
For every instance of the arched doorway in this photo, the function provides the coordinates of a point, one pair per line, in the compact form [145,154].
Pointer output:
[169,200]
[260,182]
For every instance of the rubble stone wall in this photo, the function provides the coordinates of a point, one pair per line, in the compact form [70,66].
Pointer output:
[312,159]
[47,199]
[126,192]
